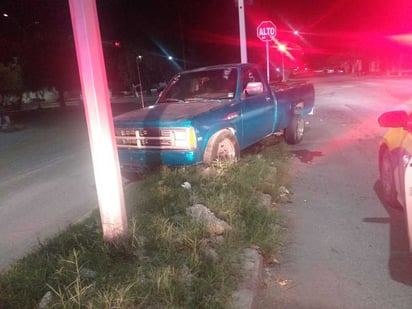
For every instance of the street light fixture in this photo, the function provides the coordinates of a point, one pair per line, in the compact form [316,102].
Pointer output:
[22,28]
[15,21]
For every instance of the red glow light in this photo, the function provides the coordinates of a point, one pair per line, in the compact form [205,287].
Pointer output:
[405,39]
[282,48]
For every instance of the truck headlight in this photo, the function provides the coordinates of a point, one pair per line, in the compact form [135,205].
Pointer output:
[184,138]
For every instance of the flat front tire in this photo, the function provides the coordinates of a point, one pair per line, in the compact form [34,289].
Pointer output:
[295,129]
[222,146]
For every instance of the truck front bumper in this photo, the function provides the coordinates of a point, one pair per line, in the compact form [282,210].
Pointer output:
[132,159]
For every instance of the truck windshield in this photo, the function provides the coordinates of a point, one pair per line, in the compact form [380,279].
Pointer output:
[217,84]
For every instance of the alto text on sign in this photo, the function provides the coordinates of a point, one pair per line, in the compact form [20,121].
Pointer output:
[266,31]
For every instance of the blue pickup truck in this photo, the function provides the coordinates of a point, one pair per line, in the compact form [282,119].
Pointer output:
[212,113]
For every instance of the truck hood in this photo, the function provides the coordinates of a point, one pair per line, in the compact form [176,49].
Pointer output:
[168,112]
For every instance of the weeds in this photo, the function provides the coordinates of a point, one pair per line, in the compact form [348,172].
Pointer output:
[164,264]
[74,293]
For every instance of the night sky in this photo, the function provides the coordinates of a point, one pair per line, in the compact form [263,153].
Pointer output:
[209,30]
[203,20]
[203,32]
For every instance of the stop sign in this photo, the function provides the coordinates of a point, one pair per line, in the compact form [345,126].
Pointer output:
[266,30]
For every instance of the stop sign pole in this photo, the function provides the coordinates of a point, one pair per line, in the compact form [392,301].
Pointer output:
[266,31]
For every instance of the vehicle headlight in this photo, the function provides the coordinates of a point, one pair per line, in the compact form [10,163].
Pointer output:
[184,138]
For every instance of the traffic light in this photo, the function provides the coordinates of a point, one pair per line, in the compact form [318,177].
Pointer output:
[117,44]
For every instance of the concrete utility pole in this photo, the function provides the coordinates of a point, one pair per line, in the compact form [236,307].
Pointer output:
[242,32]
[99,119]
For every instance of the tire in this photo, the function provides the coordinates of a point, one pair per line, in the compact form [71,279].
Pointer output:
[295,129]
[222,146]
[387,184]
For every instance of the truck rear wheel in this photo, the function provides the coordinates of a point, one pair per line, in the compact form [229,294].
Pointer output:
[222,146]
[295,129]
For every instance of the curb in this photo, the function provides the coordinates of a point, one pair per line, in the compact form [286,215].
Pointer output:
[245,297]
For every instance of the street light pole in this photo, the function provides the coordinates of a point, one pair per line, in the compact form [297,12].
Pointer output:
[138,58]
[282,49]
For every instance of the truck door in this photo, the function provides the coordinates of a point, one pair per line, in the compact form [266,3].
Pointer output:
[258,109]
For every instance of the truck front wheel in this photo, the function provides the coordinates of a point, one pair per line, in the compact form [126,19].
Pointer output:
[295,129]
[222,146]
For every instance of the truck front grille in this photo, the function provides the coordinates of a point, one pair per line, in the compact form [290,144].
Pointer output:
[153,138]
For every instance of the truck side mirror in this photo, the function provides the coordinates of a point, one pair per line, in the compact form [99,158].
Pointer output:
[253,88]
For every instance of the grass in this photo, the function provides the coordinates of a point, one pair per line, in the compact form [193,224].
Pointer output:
[165,264]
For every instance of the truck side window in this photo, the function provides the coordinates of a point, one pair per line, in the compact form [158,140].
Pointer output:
[227,82]
[250,75]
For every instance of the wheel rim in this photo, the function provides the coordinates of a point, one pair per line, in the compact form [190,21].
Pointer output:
[226,150]
[300,128]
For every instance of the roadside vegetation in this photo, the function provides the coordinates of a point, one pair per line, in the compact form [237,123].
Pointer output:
[171,260]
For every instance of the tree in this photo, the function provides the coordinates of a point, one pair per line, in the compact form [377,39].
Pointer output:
[11,83]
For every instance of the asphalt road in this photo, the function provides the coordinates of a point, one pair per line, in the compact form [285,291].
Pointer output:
[46,176]
[344,248]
